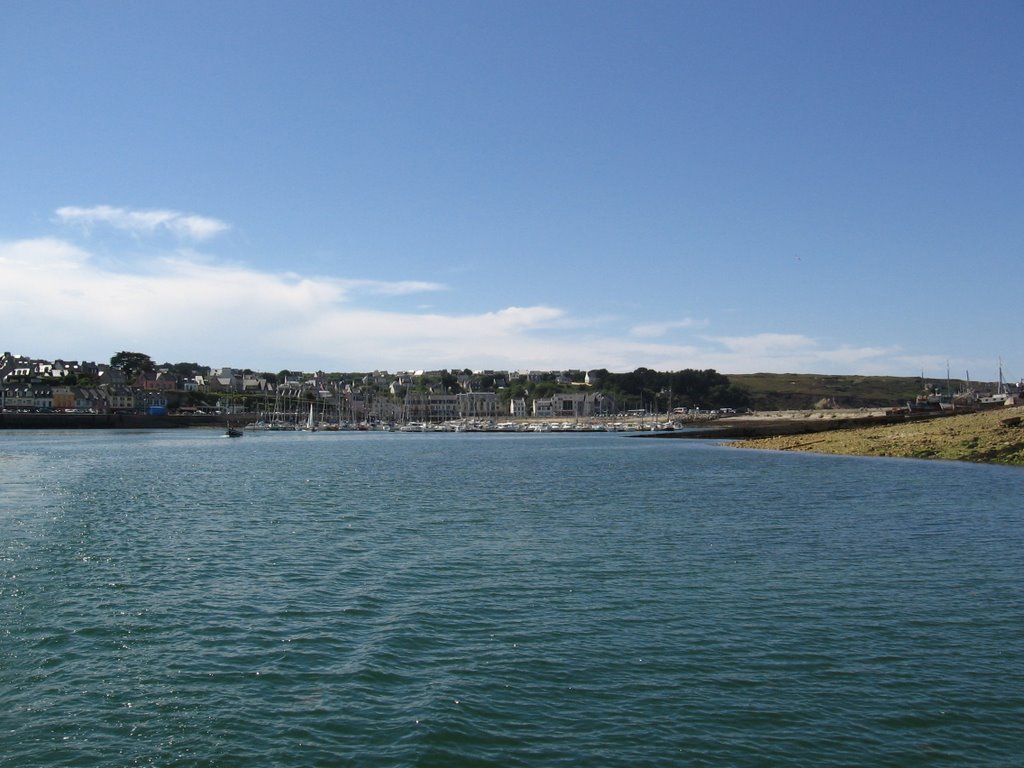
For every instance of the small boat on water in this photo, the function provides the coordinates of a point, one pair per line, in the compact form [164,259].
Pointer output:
[234,431]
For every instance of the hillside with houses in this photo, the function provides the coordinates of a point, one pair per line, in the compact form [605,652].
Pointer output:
[132,383]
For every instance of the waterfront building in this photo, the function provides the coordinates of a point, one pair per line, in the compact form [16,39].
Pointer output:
[477,405]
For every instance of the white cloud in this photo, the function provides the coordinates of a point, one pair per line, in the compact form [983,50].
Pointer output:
[181,308]
[60,301]
[185,226]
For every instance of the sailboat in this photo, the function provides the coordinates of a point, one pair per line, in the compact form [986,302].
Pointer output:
[310,423]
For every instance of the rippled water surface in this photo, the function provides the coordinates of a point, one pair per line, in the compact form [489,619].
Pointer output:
[181,599]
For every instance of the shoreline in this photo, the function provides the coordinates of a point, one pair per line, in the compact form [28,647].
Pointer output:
[777,423]
[991,437]
[22,421]
[763,423]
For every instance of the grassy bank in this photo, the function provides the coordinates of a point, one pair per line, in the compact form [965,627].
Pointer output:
[995,436]
[771,391]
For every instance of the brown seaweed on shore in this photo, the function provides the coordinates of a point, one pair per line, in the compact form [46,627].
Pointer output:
[995,437]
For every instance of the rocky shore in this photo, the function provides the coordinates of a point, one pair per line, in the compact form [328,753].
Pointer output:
[995,436]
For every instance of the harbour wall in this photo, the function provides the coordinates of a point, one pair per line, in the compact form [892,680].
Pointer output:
[116,420]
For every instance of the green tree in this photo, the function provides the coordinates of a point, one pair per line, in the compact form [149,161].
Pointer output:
[450,382]
[543,389]
[655,389]
[518,389]
[186,369]
[131,363]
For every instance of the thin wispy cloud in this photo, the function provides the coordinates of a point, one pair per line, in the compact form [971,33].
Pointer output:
[795,353]
[397,288]
[143,222]
[765,343]
[653,330]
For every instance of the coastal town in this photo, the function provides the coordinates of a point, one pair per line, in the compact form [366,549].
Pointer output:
[132,385]
[933,421]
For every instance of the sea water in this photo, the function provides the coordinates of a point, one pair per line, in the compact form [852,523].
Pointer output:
[176,598]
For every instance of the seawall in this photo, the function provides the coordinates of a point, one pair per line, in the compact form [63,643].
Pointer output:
[115,420]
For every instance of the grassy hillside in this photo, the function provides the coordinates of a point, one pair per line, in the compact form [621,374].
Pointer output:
[784,391]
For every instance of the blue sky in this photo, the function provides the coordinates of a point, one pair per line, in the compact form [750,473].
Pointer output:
[768,186]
